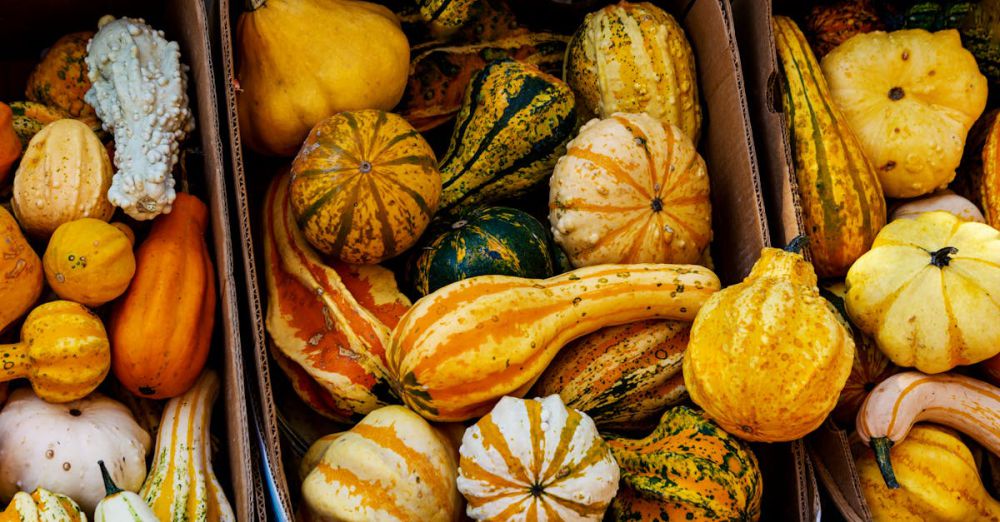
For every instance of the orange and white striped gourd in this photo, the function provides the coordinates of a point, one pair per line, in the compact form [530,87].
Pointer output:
[42,506]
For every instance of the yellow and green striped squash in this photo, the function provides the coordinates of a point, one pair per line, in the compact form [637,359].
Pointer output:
[42,506]
[444,17]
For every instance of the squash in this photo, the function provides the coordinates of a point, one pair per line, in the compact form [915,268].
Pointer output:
[481,241]
[839,192]
[60,79]
[120,505]
[42,505]
[162,326]
[926,292]
[945,200]
[911,98]
[689,469]
[364,186]
[64,175]
[392,465]
[980,30]
[302,61]
[536,460]
[445,17]
[10,147]
[622,376]
[895,405]
[989,178]
[630,189]
[462,348]
[934,15]
[57,446]
[831,24]
[314,455]
[31,117]
[634,57]
[768,357]
[89,261]
[21,270]
[513,125]
[938,478]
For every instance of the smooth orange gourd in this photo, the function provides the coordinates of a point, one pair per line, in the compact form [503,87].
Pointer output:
[20,271]
[10,146]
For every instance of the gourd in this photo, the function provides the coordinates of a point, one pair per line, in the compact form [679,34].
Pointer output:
[364,186]
[481,241]
[462,348]
[445,17]
[910,97]
[392,465]
[42,505]
[831,24]
[64,352]
[622,376]
[989,186]
[513,125]
[182,484]
[938,481]
[768,357]
[162,326]
[839,192]
[31,117]
[60,79]
[10,147]
[314,455]
[945,200]
[925,292]
[147,113]
[120,505]
[302,61]
[57,446]
[89,261]
[64,175]
[536,458]
[689,469]
[634,57]
[630,189]
[894,406]
[20,271]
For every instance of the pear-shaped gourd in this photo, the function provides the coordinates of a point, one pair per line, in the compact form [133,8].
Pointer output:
[120,505]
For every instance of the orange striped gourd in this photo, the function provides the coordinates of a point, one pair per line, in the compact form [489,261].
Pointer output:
[989,187]
[842,202]
[42,505]
[463,347]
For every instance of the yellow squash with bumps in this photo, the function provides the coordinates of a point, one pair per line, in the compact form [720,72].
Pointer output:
[89,261]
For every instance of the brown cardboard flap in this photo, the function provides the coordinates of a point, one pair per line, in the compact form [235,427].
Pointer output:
[830,451]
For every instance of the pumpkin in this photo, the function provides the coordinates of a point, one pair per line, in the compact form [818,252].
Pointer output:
[392,465]
[60,79]
[831,24]
[630,190]
[57,446]
[182,485]
[42,505]
[364,186]
[462,348]
[31,117]
[634,57]
[162,326]
[689,469]
[64,175]
[536,460]
[120,505]
[302,61]
[945,200]
[989,178]
[89,261]
[511,129]
[21,284]
[621,376]
[10,147]
[482,241]
[910,97]
[925,292]
[768,357]
[938,481]
[839,192]
[445,17]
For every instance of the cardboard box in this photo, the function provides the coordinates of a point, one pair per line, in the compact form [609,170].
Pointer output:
[30,27]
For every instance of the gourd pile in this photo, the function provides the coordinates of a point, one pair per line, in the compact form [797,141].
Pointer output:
[115,318]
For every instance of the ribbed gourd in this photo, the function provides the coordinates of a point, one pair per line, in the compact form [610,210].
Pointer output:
[42,505]
[22,269]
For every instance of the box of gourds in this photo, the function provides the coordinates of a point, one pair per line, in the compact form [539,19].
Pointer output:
[123,394]
[882,149]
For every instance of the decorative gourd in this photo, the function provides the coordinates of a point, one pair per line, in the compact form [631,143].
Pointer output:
[536,460]
[689,469]
[302,61]
[20,271]
[513,125]
[42,506]
[945,200]
[31,117]
[938,478]
[634,57]
[831,24]
[482,241]
[162,326]
[120,505]
[768,357]
[57,446]
[392,465]
[630,189]
[462,348]
[934,15]
[445,17]
[10,146]
[989,186]
[926,292]
[894,406]
[841,199]
[64,175]
[60,79]
[148,113]
[89,261]
[910,97]
[981,36]
[314,455]
[364,186]
[621,376]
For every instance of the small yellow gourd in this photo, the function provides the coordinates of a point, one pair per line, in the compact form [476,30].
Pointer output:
[89,261]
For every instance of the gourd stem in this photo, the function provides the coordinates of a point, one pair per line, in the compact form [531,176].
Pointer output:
[253,5]
[797,244]
[941,258]
[14,360]
[109,485]
[881,446]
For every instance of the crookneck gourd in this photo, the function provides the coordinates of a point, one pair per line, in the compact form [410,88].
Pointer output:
[21,274]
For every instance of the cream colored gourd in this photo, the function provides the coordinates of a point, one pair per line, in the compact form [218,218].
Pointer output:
[42,506]
[120,505]
[945,200]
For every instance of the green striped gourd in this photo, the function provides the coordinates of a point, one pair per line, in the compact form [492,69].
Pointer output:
[447,16]
[120,505]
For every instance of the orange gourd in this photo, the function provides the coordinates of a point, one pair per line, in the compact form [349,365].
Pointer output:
[10,146]
[20,271]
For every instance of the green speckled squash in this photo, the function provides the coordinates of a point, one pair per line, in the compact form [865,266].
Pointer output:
[30,117]
[444,17]
[60,79]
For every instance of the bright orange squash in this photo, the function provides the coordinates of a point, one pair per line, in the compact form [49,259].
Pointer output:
[10,145]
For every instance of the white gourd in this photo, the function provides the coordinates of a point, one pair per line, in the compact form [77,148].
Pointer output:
[120,505]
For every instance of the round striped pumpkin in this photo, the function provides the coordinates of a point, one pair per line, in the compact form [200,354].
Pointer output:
[364,186]
[536,460]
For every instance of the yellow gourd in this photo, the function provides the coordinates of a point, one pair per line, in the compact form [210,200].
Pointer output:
[89,261]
